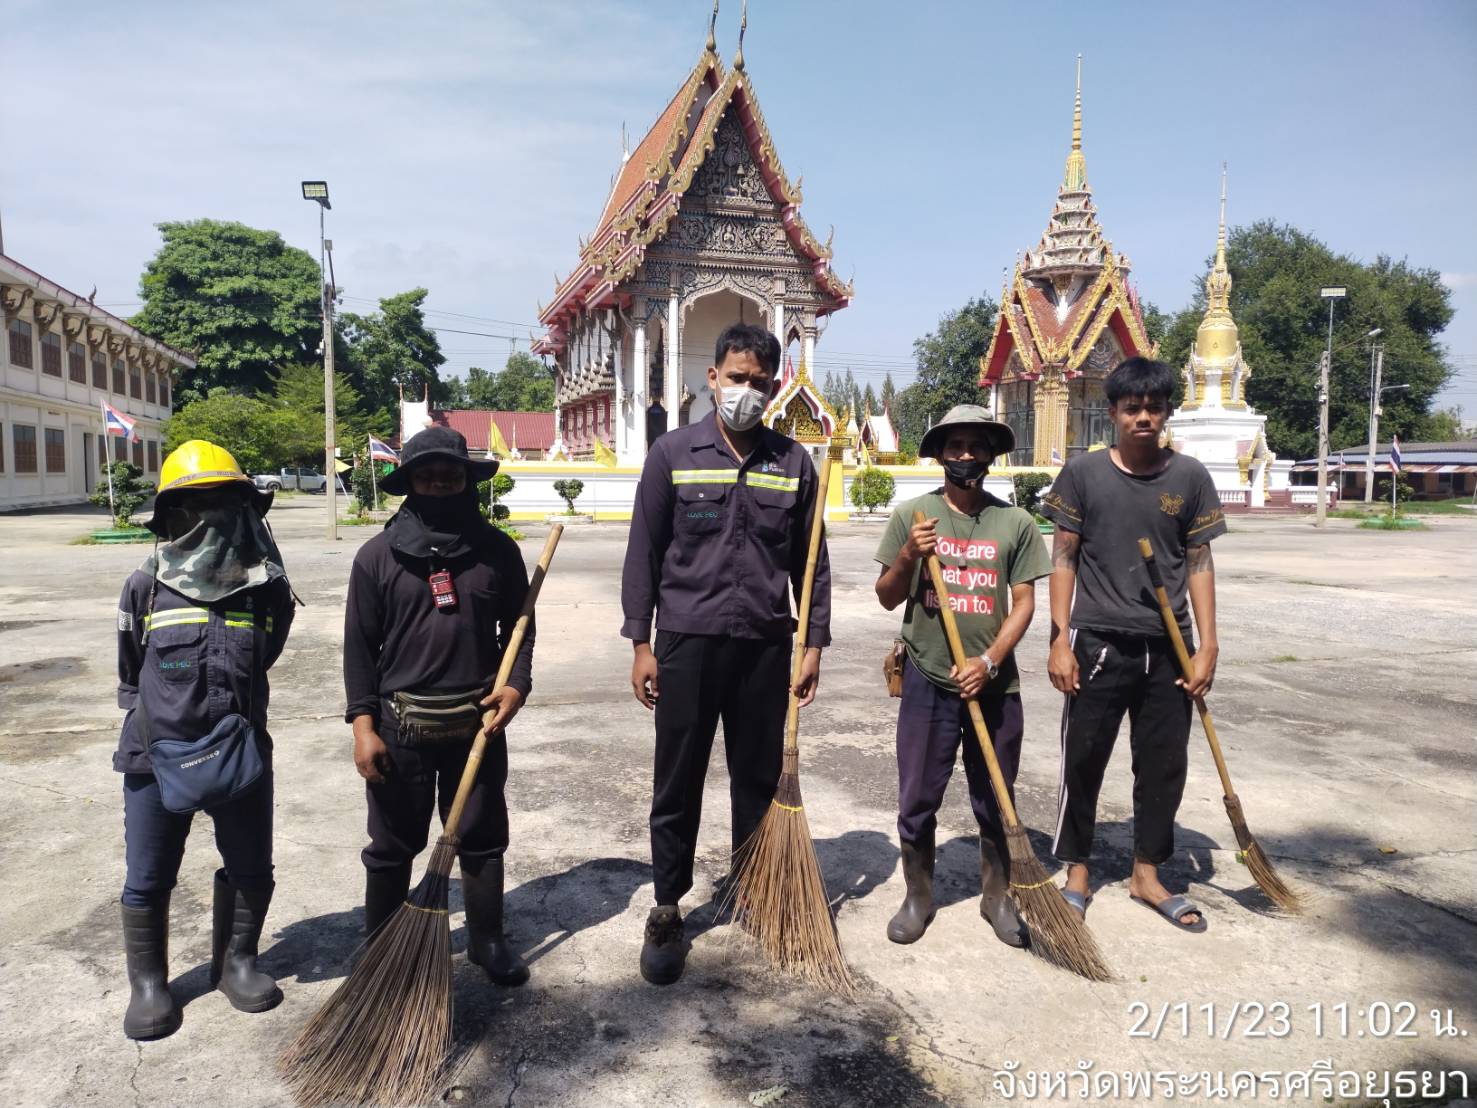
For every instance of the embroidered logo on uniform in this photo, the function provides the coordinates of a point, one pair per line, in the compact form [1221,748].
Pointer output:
[1170,505]
[183,663]
[125,620]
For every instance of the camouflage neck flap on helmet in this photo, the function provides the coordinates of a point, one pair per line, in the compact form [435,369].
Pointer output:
[228,549]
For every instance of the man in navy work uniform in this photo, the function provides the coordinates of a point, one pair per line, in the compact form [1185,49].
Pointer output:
[718,544]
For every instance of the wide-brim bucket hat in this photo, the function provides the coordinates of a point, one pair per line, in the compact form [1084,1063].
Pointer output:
[435,444]
[1001,437]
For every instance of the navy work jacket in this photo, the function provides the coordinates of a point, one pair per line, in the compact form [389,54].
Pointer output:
[718,545]
[202,662]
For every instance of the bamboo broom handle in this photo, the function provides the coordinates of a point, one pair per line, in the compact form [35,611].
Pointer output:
[504,671]
[1172,626]
[802,635]
[956,648]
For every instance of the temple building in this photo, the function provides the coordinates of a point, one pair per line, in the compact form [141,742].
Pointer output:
[702,228]
[1214,423]
[1067,316]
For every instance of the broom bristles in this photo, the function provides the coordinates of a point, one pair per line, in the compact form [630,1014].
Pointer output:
[779,896]
[1262,872]
[384,1036]
[1058,934]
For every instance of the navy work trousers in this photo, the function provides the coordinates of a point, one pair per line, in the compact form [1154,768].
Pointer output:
[704,678]
[931,724]
[154,838]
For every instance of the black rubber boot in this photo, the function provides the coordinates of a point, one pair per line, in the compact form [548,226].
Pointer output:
[238,920]
[152,1012]
[996,906]
[384,892]
[913,918]
[664,953]
[482,893]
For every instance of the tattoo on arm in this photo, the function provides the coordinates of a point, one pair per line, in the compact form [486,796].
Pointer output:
[1200,558]
[1064,547]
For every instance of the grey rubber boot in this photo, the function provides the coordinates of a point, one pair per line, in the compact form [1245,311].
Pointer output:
[152,1011]
[384,892]
[913,918]
[482,894]
[996,907]
[238,919]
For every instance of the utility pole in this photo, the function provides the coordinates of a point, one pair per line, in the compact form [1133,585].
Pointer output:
[330,469]
[1332,295]
[1374,422]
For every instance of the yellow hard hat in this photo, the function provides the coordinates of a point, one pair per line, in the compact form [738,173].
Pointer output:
[200,464]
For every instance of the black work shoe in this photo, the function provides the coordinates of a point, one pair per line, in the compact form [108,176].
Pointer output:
[152,1011]
[237,929]
[384,892]
[482,893]
[913,918]
[996,907]
[664,953]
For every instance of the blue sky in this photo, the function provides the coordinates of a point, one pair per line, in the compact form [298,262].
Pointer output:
[467,145]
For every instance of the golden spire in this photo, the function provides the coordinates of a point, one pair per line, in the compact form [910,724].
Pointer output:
[712,25]
[1075,178]
[1218,336]
[1220,239]
[738,58]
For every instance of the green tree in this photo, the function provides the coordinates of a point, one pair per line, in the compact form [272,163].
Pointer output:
[523,385]
[126,494]
[1442,426]
[451,394]
[240,299]
[391,349]
[1277,271]
[1028,489]
[872,488]
[888,395]
[262,437]
[869,401]
[569,491]
[297,394]
[948,368]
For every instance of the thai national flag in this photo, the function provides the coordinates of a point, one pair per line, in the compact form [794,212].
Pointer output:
[379,452]
[1056,456]
[1394,453]
[116,423]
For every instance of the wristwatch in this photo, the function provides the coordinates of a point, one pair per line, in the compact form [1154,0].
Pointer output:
[990,666]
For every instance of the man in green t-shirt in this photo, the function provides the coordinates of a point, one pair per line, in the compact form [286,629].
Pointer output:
[991,555]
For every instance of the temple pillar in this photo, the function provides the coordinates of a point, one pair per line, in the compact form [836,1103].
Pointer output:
[807,348]
[640,371]
[779,312]
[673,372]
[618,405]
[1051,420]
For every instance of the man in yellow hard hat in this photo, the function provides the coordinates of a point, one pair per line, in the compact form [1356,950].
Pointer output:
[199,625]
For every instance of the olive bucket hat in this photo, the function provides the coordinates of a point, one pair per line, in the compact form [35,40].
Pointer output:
[435,444]
[1002,438]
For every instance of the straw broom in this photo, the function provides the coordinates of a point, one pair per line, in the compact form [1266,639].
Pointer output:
[779,895]
[1057,932]
[384,1037]
[1278,892]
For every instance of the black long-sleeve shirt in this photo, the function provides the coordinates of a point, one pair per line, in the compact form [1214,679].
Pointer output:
[717,546]
[395,640]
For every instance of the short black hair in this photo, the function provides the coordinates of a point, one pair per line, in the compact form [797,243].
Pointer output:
[1139,377]
[746,338]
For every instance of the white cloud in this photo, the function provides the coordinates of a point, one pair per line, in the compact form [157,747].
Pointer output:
[1459,280]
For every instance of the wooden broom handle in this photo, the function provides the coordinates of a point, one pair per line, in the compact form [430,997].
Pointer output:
[504,671]
[807,589]
[956,649]
[1172,626]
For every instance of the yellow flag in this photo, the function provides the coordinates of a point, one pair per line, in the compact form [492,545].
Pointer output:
[604,454]
[496,444]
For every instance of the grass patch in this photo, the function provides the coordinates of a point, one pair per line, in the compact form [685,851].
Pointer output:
[1392,523]
[359,521]
[1460,507]
[1285,658]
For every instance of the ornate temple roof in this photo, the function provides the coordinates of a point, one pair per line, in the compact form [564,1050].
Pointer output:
[801,411]
[646,195]
[1063,294]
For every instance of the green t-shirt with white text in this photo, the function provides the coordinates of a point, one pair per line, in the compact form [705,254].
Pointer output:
[982,556]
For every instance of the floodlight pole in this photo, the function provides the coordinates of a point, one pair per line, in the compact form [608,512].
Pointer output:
[330,471]
[1374,421]
[1331,295]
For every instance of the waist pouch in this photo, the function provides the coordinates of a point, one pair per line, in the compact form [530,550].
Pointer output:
[198,774]
[429,719]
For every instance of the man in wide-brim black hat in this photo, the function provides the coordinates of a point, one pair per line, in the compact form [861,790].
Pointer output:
[432,601]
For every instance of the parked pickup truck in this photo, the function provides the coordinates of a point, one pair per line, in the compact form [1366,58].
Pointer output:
[303,478]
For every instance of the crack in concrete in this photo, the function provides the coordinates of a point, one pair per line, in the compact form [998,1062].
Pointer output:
[46,789]
[138,1097]
[518,1069]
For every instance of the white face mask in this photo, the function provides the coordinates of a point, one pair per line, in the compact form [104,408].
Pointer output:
[740,408]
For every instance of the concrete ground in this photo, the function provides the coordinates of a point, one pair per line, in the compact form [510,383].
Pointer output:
[1344,699]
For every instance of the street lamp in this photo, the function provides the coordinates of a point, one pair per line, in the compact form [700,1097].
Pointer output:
[317,191]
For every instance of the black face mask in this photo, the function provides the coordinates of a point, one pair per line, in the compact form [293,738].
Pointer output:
[966,474]
[443,513]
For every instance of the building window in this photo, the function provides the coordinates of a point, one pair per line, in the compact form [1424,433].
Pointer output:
[135,383]
[1017,407]
[164,391]
[138,453]
[51,354]
[151,391]
[24,439]
[102,450]
[99,371]
[77,363]
[1088,423]
[153,457]
[56,450]
[20,344]
[2,448]
[118,384]
[120,449]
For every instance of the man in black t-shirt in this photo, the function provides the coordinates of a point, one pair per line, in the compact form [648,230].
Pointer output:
[1109,650]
